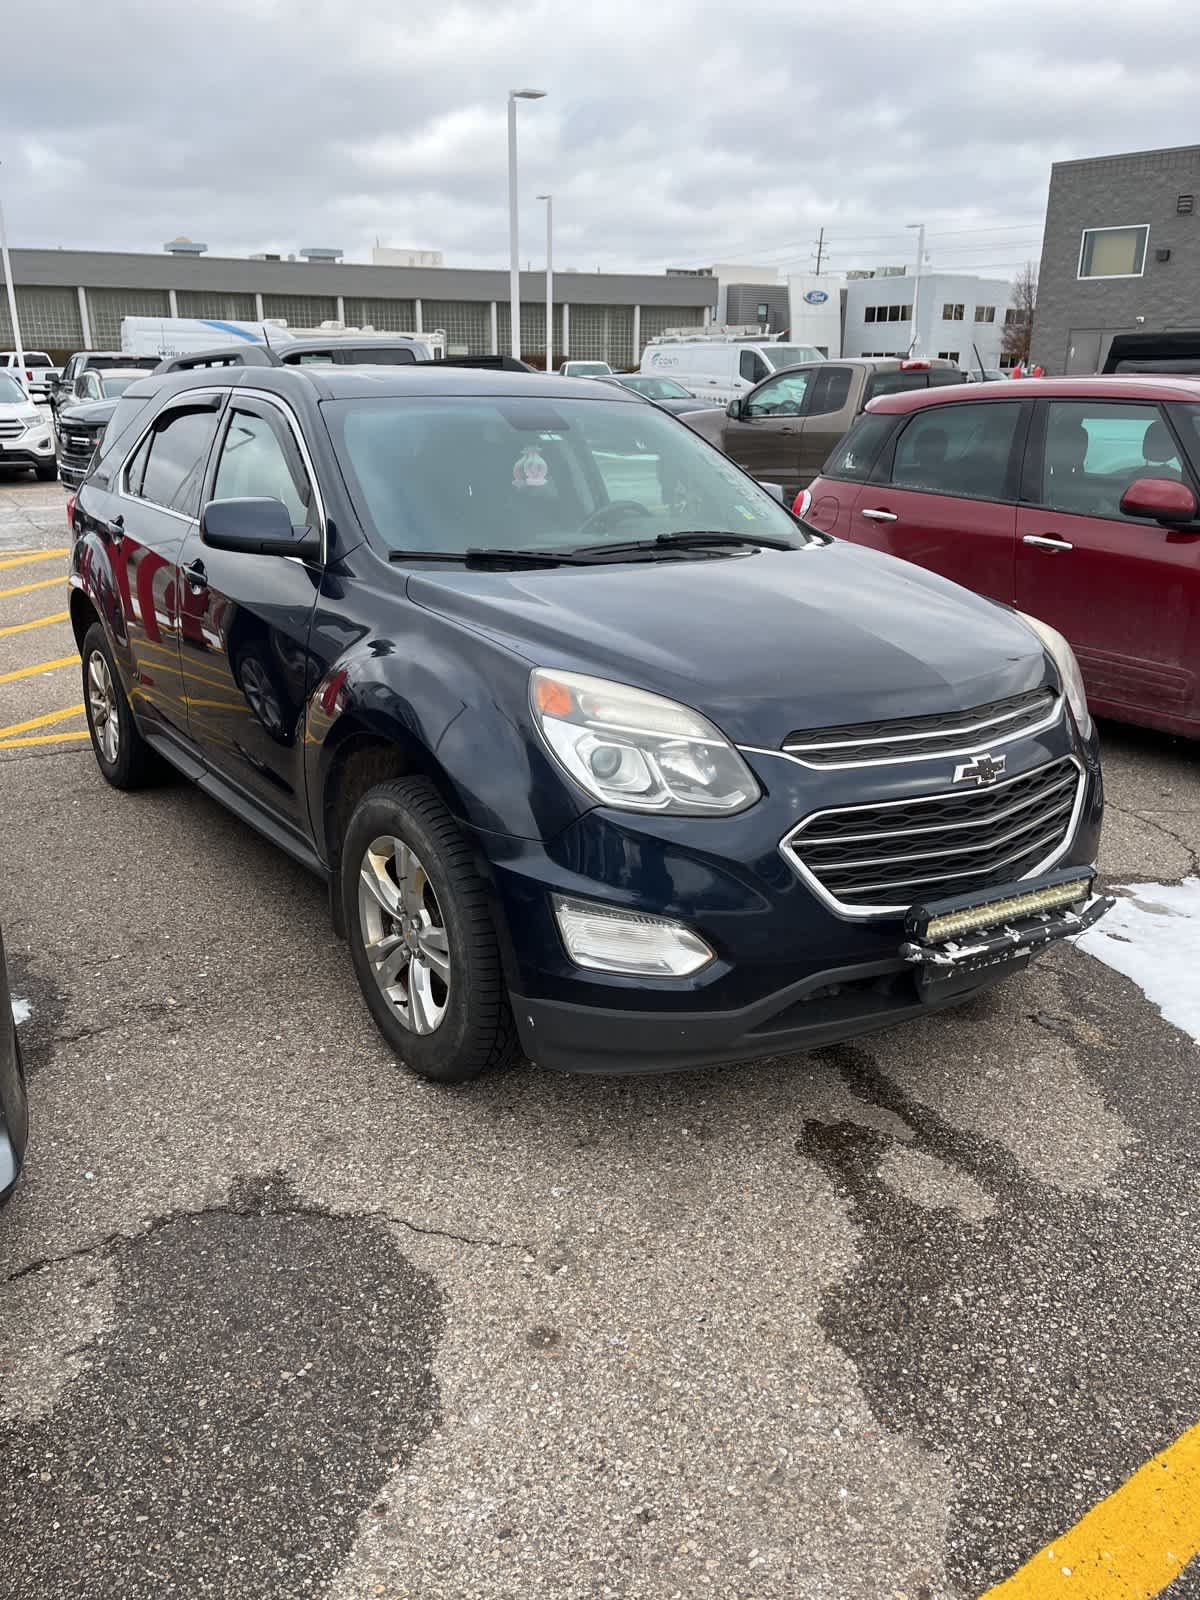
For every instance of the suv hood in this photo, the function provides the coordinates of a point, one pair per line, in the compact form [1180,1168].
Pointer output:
[762,643]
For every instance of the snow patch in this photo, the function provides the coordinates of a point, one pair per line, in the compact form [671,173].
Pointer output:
[1152,935]
[21,1010]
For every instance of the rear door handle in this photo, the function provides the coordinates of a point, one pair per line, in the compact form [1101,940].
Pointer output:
[880,516]
[196,575]
[115,529]
[1044,542]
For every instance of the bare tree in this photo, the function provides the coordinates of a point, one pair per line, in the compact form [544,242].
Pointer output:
[1018,322]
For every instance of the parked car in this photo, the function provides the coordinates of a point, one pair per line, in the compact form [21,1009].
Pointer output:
[786,426]
[665,392]
[36,367]
[1072,498]
[1176,352]
[718,370]
[597,748]
[14,1104]
[585,369]
[78,432]
[26,436]
[92,384]
[63,388]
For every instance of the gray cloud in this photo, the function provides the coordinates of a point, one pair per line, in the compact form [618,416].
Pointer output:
[673,134]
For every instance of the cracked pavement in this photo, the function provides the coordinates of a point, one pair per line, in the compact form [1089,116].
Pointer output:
[278,1319]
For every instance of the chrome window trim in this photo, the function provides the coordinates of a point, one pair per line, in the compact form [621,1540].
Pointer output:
[976,748]
[863,913]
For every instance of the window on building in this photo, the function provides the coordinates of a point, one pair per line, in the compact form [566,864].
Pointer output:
[887,314]
[1113,252]
[960,450]
[1014,315]
[985,313]
[953,311]
[947,355]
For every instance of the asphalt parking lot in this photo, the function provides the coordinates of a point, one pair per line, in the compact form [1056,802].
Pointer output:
[278,1319]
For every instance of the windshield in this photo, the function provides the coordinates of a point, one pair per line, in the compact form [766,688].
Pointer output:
[11,392]
[112,387]
[589,369]
[519,472]
[790,355]
[657,388]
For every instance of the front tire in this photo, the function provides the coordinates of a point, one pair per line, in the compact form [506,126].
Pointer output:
[421,936]
[123,756]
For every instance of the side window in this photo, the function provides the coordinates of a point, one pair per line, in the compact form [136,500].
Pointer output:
[783,397]
[960,450]
[830,390]
[1093,452]
[856,454]
[169,467]
[752,367]
[259,458]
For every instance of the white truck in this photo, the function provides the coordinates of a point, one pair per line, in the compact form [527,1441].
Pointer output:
[183,336]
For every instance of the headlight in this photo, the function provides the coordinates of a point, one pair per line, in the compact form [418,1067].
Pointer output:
[1068,670]
[637,751]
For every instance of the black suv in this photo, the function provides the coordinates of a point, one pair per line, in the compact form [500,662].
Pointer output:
[599,749]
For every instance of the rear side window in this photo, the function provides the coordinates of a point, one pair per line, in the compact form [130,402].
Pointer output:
[169,468]
[396,356]
[859,450]
[830,390]
[960,450]
[36,359]
[897,382]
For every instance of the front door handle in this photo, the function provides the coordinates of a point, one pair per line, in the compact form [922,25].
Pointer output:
[880,516]
[1044,542]
[196,575]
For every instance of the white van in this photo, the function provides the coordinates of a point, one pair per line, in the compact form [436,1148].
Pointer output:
[186,336]
[719,369]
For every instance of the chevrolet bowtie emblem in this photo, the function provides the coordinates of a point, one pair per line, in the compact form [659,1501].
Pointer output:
[980,770]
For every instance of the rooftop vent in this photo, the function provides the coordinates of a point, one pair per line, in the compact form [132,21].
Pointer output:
[321,253]
[183,246]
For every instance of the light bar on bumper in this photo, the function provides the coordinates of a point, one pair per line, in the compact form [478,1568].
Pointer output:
[977,929]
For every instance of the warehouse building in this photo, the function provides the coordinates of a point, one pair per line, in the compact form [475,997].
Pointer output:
[70,300]
[1121,254]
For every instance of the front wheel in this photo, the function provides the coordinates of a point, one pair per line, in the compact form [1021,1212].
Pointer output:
[123,756]
[421,935]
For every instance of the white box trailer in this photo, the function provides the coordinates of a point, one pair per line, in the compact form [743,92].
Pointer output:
[185,336]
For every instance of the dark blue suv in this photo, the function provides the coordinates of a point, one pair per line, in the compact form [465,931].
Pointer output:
[603,754]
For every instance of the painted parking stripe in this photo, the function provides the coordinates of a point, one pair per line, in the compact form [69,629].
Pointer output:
[1131,1546]
[42,666]
[40,622]
[28,588]
[40,555]
[41,722]
[44,738]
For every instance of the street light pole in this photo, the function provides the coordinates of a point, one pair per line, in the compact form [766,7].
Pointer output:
[12,296]
[914,344]
[549,199]
[514,265]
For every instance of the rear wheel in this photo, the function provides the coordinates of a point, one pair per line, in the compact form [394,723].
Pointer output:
[421,935]
[123,756]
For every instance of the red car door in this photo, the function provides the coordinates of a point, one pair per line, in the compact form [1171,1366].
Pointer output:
[947,502]
[1124,590]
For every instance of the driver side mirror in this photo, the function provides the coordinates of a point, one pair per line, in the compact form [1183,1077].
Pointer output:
[734,408]
[1164,499]
[258,526]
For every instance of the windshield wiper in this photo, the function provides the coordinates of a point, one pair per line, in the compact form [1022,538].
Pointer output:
[691,539]
[497,556]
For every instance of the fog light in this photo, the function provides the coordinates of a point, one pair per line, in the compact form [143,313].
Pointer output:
[608,940]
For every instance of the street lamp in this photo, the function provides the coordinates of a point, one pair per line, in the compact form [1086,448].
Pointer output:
[549,199]
[514,268]
[914,344]
[12,297]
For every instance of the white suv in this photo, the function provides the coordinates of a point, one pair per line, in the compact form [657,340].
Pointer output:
[26,434]
[39,371]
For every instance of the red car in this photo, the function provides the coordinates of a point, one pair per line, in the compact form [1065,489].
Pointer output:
[1074,499]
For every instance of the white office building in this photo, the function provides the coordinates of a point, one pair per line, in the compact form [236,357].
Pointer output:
[952,315]
[815,310]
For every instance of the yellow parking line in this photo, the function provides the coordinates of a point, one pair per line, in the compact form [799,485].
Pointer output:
[45,738]
[1129,1547]
[41,622]
[42,666]
[41,555]
[28,588]
[41,722]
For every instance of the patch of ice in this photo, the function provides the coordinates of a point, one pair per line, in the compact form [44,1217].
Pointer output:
[21,1010]
[1152,935]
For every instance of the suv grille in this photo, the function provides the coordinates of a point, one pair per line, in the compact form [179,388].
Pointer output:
[76,447]
[887,857]
[11,430]
[864,743]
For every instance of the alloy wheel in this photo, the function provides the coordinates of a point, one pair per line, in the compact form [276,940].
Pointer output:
[102,703]
[404,934]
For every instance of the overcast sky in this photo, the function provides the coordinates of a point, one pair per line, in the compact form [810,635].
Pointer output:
[674,133]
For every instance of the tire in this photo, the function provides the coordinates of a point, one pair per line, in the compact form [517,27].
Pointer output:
[47,471]
[123,756]
[425,902]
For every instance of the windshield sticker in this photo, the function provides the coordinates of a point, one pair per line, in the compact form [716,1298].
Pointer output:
[530,470]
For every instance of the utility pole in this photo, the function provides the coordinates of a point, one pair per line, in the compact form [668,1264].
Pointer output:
[820,250]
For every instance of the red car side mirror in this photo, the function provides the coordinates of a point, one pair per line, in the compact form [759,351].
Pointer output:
[1164,499]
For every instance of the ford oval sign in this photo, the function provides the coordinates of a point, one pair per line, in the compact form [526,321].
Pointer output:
[816,297]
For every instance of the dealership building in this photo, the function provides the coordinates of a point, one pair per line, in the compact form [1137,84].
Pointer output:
[71,300]
[1121,254]
[958,316]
